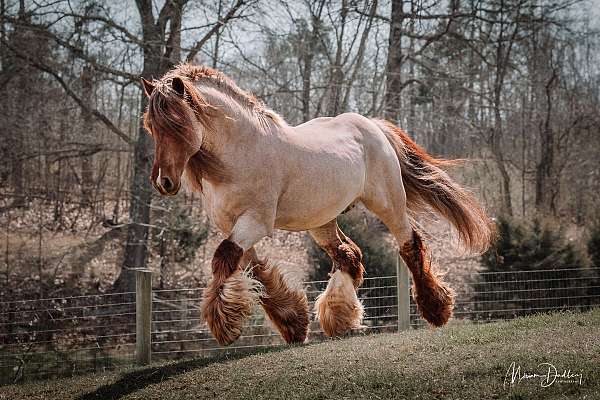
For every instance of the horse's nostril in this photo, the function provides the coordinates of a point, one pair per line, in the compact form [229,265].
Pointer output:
[167,184]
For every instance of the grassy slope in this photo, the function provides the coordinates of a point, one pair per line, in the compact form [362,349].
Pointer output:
[458,362]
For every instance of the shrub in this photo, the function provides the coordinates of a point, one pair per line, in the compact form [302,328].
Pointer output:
[540,246]
[176,237]
[593,249]
[593,245]
[530,269]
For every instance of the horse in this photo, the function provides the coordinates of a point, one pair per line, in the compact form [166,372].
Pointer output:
[256,173]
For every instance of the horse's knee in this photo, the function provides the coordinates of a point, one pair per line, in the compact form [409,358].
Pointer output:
[226,259]
[338,308]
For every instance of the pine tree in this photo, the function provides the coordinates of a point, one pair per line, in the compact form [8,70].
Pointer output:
[530,269]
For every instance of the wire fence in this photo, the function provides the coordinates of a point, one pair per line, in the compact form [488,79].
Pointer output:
[55,337]
[494,296]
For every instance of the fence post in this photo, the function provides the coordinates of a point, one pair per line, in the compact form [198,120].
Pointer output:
[143,316]
[403,293]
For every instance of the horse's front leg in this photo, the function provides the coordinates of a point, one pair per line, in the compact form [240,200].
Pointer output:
[285,305]
[232,292]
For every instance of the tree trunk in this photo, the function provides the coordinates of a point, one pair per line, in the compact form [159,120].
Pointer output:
[393,73]
[87,172]
[162,50]
[307,58]
[498,154]
[360,55]
[20,38]
[158,54]
[215,53]
[336,74]
[136,247]
[546,187]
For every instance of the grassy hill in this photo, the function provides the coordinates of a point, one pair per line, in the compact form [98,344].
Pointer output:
[461,361]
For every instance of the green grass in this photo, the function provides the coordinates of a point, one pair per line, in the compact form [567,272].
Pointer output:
[461,361]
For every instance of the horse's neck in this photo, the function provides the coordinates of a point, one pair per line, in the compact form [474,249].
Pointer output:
[235,124]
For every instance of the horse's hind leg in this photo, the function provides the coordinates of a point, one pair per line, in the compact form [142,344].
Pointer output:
[435,300]
[285,306]
[338,308]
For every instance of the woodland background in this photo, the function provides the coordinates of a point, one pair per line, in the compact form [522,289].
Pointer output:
[512,85]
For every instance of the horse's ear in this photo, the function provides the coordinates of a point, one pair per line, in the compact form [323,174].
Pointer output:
[178,86]
[148,87]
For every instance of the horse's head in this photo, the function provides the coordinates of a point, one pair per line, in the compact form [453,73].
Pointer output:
[176,118]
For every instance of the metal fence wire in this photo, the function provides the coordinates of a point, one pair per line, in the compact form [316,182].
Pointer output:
[56,337]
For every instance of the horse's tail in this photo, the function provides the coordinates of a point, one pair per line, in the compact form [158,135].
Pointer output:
[427,184]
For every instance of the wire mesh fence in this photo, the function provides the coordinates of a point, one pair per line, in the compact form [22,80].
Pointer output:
[178,329]
[501,295]
[55,337]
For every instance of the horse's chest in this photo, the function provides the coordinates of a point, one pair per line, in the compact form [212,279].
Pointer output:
[217,210]
[223,205]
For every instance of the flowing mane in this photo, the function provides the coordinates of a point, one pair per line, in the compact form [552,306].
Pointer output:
[218,80]
[166,109]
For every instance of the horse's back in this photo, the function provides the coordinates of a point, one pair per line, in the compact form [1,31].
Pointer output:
[348,133]
[344,124]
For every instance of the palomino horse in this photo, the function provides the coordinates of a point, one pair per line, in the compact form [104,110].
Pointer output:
[256,173]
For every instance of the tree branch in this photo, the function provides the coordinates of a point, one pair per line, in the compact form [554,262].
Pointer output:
[200,43]
[45,68]
[109,23]
[76,51]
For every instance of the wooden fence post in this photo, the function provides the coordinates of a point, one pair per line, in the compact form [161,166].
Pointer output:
[143,316]
[403,288]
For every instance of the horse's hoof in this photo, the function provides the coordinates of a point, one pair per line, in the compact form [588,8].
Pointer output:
[286,307]
[338,308]
[227,304]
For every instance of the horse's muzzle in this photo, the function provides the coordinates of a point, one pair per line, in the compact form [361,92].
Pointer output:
[171,190]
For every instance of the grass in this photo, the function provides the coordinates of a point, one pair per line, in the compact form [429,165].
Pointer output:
[461,361]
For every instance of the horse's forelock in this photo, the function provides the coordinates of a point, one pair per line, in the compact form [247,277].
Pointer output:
[167,111]
[205,112]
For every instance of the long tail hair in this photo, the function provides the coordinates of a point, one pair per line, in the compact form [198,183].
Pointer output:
[427,184]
